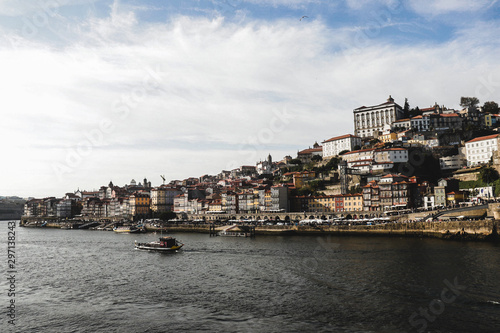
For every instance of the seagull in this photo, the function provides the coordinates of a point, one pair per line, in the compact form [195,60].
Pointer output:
[303,17]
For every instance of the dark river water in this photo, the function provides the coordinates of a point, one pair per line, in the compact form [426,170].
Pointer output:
[94,281]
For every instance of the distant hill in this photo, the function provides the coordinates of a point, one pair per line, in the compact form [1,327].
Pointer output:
[11,207]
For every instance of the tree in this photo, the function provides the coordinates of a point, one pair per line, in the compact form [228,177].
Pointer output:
[165,216]
[490,107]
[406,109]
[343,152]
[316,158]
[414,112]
[296,161]
[469,102]
[488,175]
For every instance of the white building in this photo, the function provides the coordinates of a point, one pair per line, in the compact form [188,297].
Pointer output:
[420,123]
[369,121]
[453,162]
[480,150]
[333,146]
[369,160]
[401,124]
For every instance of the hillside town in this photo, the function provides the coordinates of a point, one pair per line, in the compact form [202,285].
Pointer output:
[398,159]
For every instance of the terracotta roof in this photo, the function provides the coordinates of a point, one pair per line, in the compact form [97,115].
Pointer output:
[341,137]
[449,115]
[481,138]
[309,151]
[359,151]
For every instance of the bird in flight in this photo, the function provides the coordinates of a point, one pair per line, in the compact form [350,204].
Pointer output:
[303,17]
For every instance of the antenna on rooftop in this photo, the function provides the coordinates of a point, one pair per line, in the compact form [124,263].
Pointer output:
[163,177]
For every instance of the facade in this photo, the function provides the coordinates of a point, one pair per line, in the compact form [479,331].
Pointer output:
[446,121]
[370,160]
[328,203]
[265,167]
[391,192]
[279,199]
[420,123]
[453,162]
[401,125]
[480,150]
[139,205]
[162,199]
[333,146]
[306,155]
[369,121]
[389,137]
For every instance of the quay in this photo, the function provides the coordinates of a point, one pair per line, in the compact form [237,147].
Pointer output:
[463,224]
[479,230]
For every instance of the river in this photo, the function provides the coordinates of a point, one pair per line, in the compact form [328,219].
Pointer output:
[94,281]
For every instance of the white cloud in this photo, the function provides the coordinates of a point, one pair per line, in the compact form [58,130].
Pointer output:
[195,96]
[438,7]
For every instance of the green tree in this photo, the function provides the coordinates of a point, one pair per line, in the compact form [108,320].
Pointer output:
[414,112]
[469,102]
[296,161]
[490,107]
[316,158]
[406,109]
[488,175]
[165,216]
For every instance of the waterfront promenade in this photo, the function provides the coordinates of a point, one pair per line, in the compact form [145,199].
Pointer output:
[461,230]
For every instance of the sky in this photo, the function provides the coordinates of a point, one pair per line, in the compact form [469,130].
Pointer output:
[97,91]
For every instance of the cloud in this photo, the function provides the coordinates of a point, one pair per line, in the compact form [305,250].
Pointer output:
[196,95]
[440,7]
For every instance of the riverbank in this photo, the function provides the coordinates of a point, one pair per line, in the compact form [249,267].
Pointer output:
[483,230]
[454,230]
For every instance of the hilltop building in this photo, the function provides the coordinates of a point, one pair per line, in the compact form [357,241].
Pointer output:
[480,150]
[333,146]
[370,121]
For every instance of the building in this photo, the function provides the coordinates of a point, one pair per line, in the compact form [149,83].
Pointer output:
[370,121]
[391,192]
[388,137]
[453,162]
[139,205]
[401,125]
[162,199]
[327,203]
[306,155]
[445,121]
[420,123]
[279,199]
[370,160]
[333,146]
[265,167]
[480,150]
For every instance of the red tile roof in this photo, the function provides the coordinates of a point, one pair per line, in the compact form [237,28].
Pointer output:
[481,138]
[310,151]
[341,137]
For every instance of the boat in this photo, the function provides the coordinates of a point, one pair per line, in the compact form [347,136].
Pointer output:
[129,229]
[164,244]
[225,233]
[236,231]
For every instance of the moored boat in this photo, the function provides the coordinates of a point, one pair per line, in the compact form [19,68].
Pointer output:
[127,229]
[164,244]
